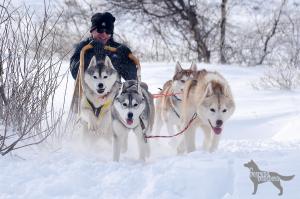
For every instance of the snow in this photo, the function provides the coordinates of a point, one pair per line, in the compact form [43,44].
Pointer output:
[264,128]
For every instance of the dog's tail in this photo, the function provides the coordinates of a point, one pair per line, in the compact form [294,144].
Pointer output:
[286,178]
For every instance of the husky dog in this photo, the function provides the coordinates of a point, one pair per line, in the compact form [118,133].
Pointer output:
[210,98]
[168,107]
[100,85]
[133,109]
[257,177]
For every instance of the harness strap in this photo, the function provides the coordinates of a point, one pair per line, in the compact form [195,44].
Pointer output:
[100,110]
[173,107]
[95,110]
[169,136]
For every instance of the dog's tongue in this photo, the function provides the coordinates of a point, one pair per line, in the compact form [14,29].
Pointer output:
[217,130]
[129,121]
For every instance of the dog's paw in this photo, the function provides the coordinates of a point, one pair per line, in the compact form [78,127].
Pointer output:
[92,126]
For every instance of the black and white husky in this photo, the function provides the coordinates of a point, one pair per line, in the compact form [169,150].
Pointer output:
[133,109]
[101,83]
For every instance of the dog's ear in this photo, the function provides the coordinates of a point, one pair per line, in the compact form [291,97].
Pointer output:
[121,89]
[107,62]
[209,90]
[93,62]
[178,67]
[139,88]
[193,67]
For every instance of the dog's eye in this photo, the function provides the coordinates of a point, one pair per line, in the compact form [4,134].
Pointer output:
[182,81]
[124,104]
[135,105]
[212,110]
[225,110]
[105,77]
[95,77]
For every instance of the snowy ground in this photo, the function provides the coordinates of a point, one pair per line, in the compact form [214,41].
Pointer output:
[263,128]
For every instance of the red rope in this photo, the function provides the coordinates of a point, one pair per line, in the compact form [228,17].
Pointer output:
[164,94]
[169,136]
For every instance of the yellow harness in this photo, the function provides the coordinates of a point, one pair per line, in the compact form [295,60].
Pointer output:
[100,111]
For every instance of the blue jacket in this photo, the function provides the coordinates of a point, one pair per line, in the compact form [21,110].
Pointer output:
[125,67]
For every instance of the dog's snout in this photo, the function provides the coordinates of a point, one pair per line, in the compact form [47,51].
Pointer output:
[219,122]
[100,85]
[130,115]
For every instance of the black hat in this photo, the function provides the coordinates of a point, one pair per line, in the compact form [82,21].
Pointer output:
[103,21]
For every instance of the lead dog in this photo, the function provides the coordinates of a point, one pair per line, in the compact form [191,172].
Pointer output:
[100,86]
[210,98]
[168,107]
[133,109]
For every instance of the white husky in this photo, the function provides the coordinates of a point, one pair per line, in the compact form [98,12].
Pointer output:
[211,99]
[100,85]
[133,109]
[168,107]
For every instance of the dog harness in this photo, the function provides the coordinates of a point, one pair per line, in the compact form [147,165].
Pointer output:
[173,106]
[98,112]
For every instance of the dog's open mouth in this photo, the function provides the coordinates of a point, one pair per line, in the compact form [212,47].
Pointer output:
[129,121]
[100,91]
[217,130]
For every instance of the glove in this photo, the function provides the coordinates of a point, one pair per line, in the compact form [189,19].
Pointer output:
[98,48]
[123,51]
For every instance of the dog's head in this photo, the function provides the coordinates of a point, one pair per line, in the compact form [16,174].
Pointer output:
[181,76]
[130,103]
[100,76]
[251,165]
[216,107]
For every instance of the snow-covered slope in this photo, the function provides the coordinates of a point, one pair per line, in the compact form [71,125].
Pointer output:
[263,128]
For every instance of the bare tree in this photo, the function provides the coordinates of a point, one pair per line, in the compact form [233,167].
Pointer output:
[270,34]
[193,22]
[223,31]
[74,21]
[284,72]
[30,76]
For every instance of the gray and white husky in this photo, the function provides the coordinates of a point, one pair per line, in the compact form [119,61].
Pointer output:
[133,109]
[100,84]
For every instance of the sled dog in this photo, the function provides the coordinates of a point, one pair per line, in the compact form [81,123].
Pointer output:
[100,85]
[168,107]
[258,177]
[210,98]
[133,109]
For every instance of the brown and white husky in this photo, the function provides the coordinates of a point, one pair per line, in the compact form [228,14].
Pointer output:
[210,98]
[168,107]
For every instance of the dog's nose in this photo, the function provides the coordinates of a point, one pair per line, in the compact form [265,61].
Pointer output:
[219,122]
[100,85]
[130,115]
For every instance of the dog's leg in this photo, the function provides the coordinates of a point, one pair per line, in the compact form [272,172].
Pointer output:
[181,146]
[158,121]
[143,146]
[170,125]
[214,142]
[255,187]
[125,144]
[88,140]
[89,117]
[278,186]
[119,134]
[171,130]
[207,138]
[189,136]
